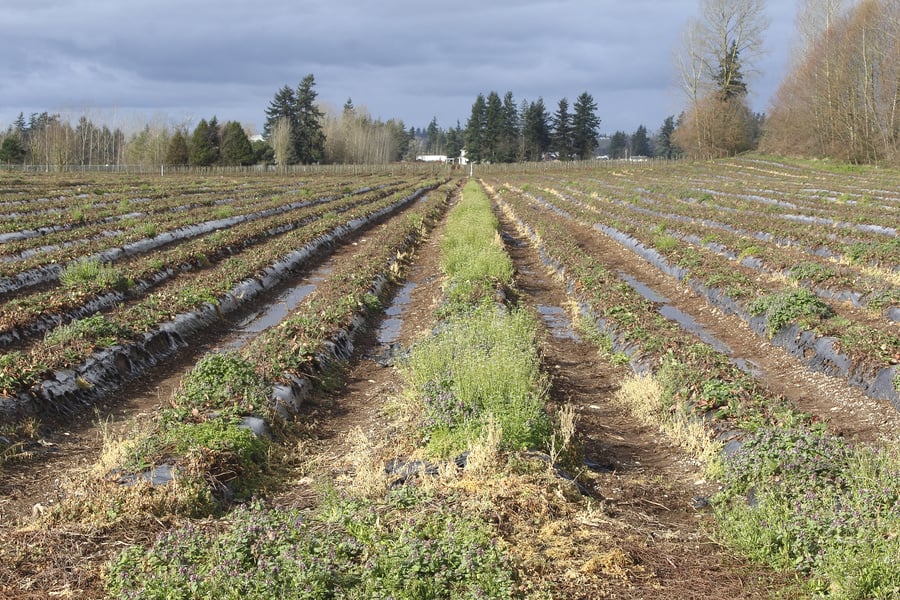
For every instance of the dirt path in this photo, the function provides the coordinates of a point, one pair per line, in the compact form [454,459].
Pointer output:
[846,409]
[369,381]
[648,488]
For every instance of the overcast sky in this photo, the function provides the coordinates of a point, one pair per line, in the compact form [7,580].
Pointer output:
[124,62]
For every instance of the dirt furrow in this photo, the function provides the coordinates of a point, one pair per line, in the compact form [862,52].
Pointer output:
[64,450]
[649,489]
[847,409]
[368,381]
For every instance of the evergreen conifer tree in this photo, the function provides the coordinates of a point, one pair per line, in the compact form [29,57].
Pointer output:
[201,152]
[177,151]
[640,143]
[585,126]
[283,105]
[12,150]
[561,137]
[493,128]
[309,137]
[475,131]
[536,131]
[618,145]
[236,147]
[664,146]
[509,142]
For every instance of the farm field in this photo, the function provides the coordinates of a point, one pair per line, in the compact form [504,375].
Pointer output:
[619,380]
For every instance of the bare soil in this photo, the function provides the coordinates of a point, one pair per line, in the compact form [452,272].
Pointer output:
[846,409]
[649,540]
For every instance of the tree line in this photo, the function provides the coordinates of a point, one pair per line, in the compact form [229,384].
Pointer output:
[840,99]
[500,131]
[48,139]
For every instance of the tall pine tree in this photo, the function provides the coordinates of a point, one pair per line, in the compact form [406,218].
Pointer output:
[665,148]
[177,152]
[618,145]
[585,126]
[282,106]
[640,143]
[536,133]
[475,131]
[509,143]
[201,152]
[236,148]
[562,138]
[309,137]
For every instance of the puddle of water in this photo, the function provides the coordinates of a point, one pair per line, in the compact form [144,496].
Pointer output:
[389,331]
[557,322]
[277,311]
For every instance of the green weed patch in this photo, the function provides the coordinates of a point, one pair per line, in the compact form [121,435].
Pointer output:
[791,306]
[480,368]
[804,499]
[402,547]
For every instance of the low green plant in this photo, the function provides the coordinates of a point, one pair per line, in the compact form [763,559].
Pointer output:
[97,331]
[93,273]
[223,212]
[791,306]
[750,251]
[401,547]
[803,498]
[811,271]
[221,381]
[148,230]
[480,367]
[665,242]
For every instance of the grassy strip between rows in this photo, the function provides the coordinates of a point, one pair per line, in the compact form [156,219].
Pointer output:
[794,495]
[473,391]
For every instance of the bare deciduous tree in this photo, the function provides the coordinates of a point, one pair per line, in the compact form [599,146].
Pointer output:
[717,50]
[842,99]
[281,139]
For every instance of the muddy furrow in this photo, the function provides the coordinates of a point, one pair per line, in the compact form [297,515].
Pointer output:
[51,273]
[847,409]
[73,390]
[648,488]
[13,336]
